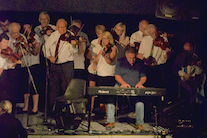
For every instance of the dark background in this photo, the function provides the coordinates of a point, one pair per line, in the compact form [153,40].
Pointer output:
[110,12]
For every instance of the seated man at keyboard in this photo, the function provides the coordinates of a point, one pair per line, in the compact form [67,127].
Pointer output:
[130,72]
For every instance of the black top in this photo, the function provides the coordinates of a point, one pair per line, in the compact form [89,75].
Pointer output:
[11,127]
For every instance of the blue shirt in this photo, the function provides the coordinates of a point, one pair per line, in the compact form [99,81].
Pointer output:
[130,74]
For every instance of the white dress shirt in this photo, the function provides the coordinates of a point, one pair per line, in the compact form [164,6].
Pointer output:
[136,37]
[145,49]
[65,51]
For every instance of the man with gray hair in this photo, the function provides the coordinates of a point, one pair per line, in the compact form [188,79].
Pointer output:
[150,53]
[45,29]
[153,55]
[60,53]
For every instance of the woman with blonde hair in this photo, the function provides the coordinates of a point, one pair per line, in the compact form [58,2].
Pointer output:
[94,49]
[5,107]
[120,38]
[104,65]
[10,127]
[120,30]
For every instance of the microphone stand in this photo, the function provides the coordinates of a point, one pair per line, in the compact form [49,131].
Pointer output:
[35,89]
[46,89]
[156,124]
[45,122]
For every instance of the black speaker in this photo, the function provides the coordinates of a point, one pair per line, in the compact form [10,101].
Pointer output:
[178,9]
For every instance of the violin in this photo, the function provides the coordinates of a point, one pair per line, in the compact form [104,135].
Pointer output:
[159,42]
[20,42]
[31,43]
[75,30]
[8,52]
[67,37]
[30,38]
[107,48]
[72,37]
[45,29]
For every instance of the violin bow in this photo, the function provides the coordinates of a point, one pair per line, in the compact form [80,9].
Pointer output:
[120,43]
[25,30]
[80,30]
[59,51]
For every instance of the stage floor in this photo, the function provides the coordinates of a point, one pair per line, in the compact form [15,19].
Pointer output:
[97,129]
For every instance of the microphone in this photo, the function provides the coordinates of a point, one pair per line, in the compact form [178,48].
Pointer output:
[15,41]
[22,44]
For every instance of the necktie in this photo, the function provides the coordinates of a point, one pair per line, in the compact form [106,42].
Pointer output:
[151,53]
[56,50]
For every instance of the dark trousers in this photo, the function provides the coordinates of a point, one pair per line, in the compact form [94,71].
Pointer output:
[80,74]
[60,76]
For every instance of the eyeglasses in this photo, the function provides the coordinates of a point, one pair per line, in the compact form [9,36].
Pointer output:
[43,19]
[15,32]
[104,39]
[61,27]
